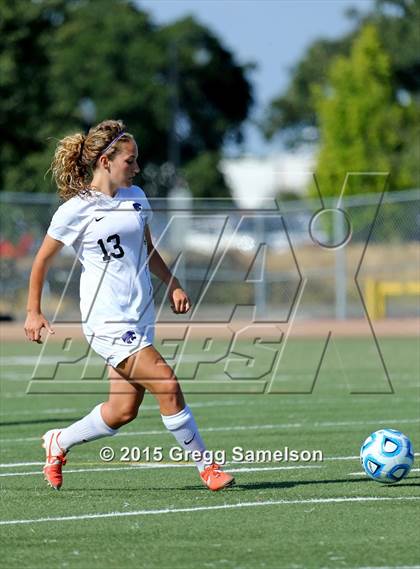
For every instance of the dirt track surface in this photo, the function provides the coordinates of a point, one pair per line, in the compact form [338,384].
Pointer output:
[298,329]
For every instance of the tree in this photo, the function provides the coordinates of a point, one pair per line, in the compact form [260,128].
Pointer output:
[26,29]
[398,24]
[214,93]
[203,176]
[125,66]
[292,114]
[359,122]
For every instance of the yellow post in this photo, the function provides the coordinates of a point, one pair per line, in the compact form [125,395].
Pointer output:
[370,297]
[376,293]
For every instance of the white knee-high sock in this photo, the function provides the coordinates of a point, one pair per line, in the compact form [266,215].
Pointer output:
[89,428]
[184,428]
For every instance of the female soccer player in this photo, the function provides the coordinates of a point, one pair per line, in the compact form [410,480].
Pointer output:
[106,220]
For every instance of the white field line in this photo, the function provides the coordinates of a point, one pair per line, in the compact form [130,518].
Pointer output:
[20,464]
[142,465]
[352,457]
[12,395]
[33,360]
[363,472]
[249,428]
[143,408]
[387,567]
[243,401]
[14,376]
[26,412]
[95,362]
[28,361]
[103,469]
[209,508]
[152,465]
[158,465]
[18,378]
[257,469]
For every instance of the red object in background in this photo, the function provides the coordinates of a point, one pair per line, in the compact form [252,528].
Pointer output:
[10,251]
[7,249]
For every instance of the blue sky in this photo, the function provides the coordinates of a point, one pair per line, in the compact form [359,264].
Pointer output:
[272,33]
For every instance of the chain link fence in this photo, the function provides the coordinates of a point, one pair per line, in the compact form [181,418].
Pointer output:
[311,259]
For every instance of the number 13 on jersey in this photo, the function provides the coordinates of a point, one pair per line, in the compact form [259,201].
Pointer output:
[116,243]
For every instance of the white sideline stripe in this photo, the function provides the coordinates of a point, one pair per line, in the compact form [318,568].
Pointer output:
[27,361]
[95,362]
[32,360]
[258,469]
[356,457]
[389,567]
[13,376]
[363,472]
[12,394]
[104,469]
[4,414]
[18,464]
[158,465]
[248,428]
[208,508]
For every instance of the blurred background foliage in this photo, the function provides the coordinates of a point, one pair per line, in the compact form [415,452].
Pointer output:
[360,123]
[66,64]
[358,99]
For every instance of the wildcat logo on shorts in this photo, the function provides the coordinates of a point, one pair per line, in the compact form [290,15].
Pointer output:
[128,337]
[137,206]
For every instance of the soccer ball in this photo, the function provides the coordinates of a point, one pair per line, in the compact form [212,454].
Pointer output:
[387,456]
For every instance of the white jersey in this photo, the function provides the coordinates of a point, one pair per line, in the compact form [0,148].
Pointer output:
[108,236]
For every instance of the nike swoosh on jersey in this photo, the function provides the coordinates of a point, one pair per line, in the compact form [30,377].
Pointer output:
[99,218]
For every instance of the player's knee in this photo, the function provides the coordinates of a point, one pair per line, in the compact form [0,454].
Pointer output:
[168,375]
[170,397]
[171,389]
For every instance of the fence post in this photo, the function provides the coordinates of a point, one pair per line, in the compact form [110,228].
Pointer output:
[180,200]
[260,292]
[340,272]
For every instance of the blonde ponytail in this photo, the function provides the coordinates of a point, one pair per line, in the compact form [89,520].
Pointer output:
[76,155]
[71,175]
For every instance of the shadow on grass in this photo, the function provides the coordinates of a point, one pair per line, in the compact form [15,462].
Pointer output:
[293,483]
[248,486]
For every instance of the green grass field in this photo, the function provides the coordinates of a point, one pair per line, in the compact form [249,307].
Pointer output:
[279,515]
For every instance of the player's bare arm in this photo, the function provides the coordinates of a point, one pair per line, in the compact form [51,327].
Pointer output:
[179,299]
[35,320]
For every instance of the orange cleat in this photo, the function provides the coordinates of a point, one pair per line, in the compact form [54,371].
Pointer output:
[215,479]
[55,459]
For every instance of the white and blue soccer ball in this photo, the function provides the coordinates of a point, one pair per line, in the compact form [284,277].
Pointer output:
[387,456]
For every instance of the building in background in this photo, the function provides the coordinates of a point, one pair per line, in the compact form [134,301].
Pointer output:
[252,179]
